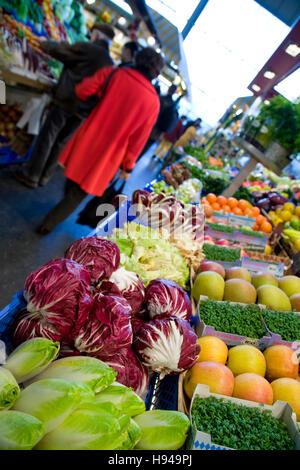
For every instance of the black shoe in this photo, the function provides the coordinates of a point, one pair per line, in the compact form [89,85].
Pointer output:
[19,176]
[43,230]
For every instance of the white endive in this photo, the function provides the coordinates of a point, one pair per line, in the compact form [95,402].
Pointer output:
[9,389]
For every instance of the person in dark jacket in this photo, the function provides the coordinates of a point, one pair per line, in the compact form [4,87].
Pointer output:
[129,50]
[169,139]
[66,112]
[193,123]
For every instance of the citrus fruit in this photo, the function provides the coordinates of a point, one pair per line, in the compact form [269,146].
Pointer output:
[260,219]
[243,204]
[255,211]
[278,211]
[297,211]
[266,227]
[289,206]
[248,212]
[211,198]
[222,200]
[232,202]
[297,244]
[226,208]
[286,215]
[212,349]
[216,206]
[237,211]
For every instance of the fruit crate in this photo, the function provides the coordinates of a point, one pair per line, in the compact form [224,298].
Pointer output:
[229,338]
[276,338]
[281,410]
[7,316]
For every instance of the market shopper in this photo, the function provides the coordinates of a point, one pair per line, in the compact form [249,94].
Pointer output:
[66,112]
[189,134]
[193,123]
[129,50]
[169,139]
[113,134]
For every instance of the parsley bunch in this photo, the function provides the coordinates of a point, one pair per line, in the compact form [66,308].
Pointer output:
[240,427]
[234,319]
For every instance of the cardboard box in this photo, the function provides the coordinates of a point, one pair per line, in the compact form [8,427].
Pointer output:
[281,410]
[229,338]
[276,338]
[255,266]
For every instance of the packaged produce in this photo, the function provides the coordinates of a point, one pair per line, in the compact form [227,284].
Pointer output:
[162,430]
[231,425]
[9,389]
[84,369]
[19,431]
[31,357]
[52,400]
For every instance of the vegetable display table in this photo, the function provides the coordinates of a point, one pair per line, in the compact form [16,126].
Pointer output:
[256,156]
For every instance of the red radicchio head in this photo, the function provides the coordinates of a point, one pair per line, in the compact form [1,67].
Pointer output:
[167,344]
[107,329]
[164,297]
[101,257]
[58,301]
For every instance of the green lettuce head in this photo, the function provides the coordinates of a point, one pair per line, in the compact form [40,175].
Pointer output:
[162,430]
[124,398]
[93,426]
[133,436]
[9,389]
[31,357]
[88,370]
[19,431]
[52,400]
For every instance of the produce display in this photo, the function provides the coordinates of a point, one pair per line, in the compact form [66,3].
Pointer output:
[170,294]
[231,425]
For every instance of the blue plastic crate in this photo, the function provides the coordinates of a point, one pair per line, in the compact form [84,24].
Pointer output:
[7,316]
[163,393]
[7,156]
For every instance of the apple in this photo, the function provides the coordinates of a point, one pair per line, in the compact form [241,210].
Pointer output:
[208,283]
[290,285]
[223,242]
[295,302]
[212,266]
[253,387]
[217,376]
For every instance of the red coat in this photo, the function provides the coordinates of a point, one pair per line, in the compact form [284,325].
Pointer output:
[115,132]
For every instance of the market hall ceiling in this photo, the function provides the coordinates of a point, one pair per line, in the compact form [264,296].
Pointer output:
[285,10]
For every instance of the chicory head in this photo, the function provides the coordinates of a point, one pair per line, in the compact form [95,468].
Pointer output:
[9,389]
[19,431]
[124,398]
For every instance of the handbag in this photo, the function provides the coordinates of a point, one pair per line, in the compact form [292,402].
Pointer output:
[88,215]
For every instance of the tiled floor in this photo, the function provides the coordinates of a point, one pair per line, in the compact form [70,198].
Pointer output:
[21,211]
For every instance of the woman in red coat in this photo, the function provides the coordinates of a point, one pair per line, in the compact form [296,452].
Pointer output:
[113,135]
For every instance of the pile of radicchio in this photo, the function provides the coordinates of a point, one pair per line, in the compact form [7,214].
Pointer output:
[165,297]
[59,301]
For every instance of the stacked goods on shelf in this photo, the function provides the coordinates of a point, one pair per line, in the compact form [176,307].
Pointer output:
[9,116]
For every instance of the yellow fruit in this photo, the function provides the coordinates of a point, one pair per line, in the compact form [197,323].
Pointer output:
[212,349]
[278,211]
[297,211]
[272,214]
[268,250]
[278,221]
[288,206]
[286,215]
[297,245]
[245,358]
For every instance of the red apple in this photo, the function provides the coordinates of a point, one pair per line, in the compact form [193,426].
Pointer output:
[212,266]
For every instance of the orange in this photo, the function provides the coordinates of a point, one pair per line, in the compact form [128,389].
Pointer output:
[204,201]
[266,227]
[222,200]
[216,206]
[232,202]
[255,211]
[212,349]
[260,219]
[243,204]
[256,227]
[248,212]
[211,198]
[226,208]
[237,211]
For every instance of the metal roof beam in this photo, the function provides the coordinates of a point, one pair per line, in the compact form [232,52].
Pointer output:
[192,20]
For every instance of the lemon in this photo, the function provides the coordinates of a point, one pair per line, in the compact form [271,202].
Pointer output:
[297,211]
[278,221]
[286,215]
[288,206]
[268,250]
[278,211]
[297,244]
[272,213]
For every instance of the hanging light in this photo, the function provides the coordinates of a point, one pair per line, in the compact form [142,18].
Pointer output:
[255,87]
[269,74]
[151,40]
[122,21]
[90,2]
[293,49]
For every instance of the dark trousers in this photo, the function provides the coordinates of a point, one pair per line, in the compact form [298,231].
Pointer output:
[74,195]
[55,133]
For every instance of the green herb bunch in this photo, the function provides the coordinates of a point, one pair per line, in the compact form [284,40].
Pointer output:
[210,183]
[196,152]
[240,427]
[221,253]
[251,233]
[285,324]
[220,227]
[234,319]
